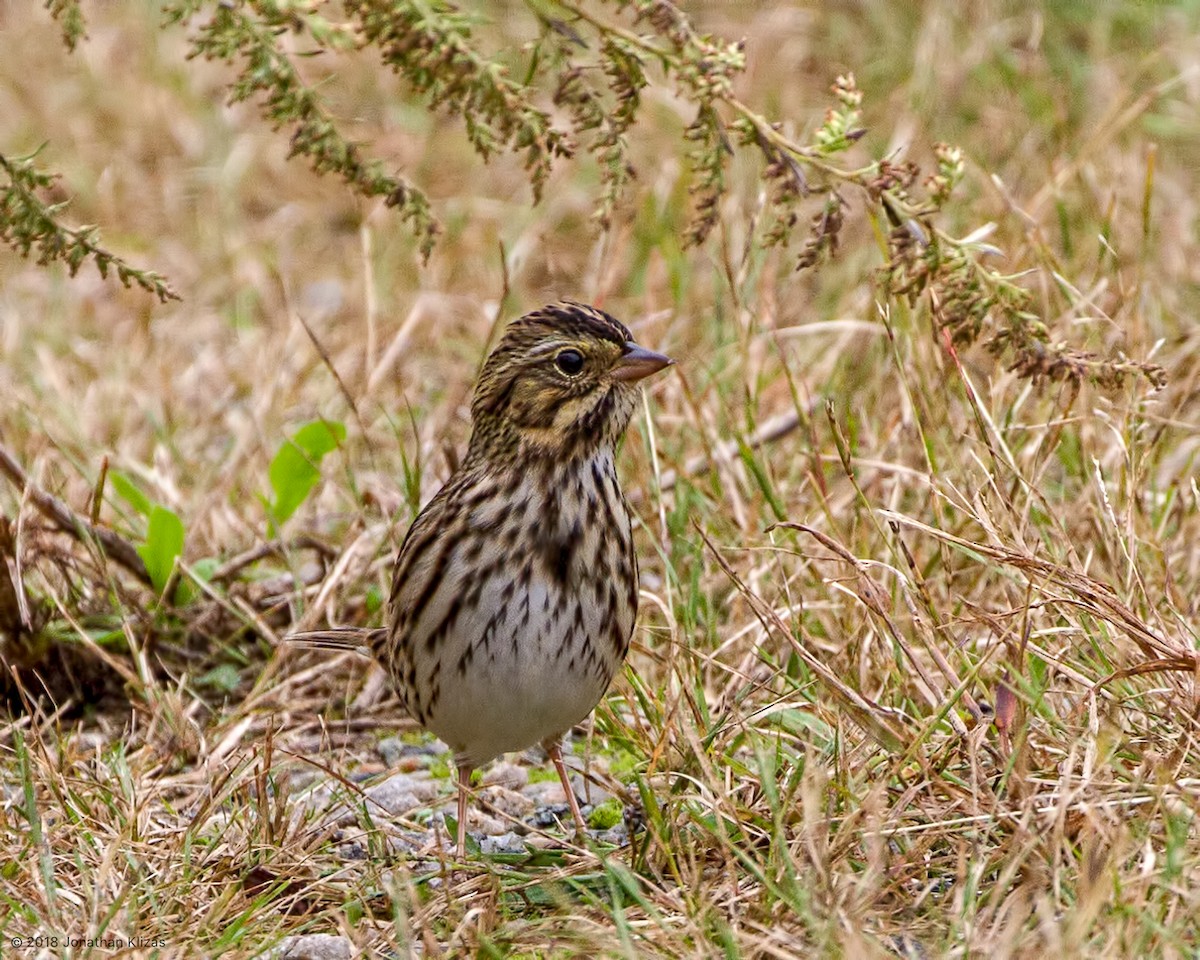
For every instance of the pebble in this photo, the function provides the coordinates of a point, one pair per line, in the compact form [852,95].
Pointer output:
[314,946]
[480,822]
[505,774]
[550,815]
[514,803]
[589,792]
[507,809]
[503,843]
[394,751]
[402,792]
[616,836]
[546,792]
[352,851]
[399,795]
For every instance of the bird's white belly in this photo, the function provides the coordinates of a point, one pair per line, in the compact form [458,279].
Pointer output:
[515,671]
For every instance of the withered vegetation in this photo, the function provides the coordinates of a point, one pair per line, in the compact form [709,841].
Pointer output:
[916,668]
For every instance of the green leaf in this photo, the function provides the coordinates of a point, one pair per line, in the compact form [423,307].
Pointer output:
[130,492]
[188,590]
[164,542]
[224,678]
[294,470]
[374,598]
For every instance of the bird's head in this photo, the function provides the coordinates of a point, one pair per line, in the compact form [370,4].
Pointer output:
[561,379]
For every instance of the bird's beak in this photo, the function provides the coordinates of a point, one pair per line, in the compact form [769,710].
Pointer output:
[638,362]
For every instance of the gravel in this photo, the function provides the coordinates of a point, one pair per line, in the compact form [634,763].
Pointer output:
[410,806]
[314,946]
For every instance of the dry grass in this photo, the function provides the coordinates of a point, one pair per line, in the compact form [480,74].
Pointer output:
[831,617]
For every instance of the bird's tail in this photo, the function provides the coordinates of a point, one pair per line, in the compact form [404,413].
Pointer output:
[342,639]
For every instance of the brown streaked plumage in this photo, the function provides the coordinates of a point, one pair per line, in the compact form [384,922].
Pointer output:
[515,590]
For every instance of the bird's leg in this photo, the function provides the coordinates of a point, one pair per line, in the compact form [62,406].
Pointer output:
[464,781]
[554,749]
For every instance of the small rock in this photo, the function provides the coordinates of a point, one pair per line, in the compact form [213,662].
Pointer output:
[315,946]
[394,750]
[425,788]
[480,822]
[589,792]
[407,843]
[549,815]
[545,792]
[390,750]
[401,793]
[617,836]
[503,843]
[397,796]
[509,801]
[352,851]
[507,774]
[394,803]
[300,778]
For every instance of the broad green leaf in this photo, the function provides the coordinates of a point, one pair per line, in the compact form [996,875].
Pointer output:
[294,470]
[374,598]
[164,542]
[130,492]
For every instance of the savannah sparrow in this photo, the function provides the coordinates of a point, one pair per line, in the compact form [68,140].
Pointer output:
[515,590]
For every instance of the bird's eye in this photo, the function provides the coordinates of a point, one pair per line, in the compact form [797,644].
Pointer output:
[569,362]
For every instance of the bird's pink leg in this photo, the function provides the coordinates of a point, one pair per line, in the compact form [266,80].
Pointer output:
[464,781]
[554,749]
